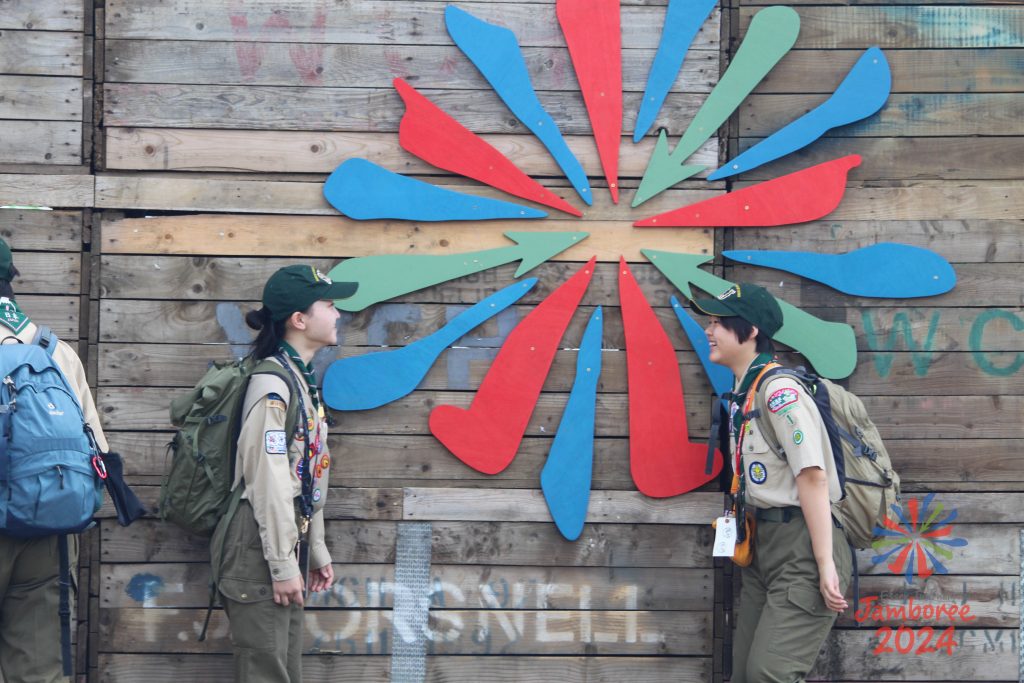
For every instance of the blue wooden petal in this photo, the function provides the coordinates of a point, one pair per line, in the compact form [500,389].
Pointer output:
[682,21]
[495,52]
[362,190]
[886,270]
[375,379]
[719,375]
[567,473]
[861,94]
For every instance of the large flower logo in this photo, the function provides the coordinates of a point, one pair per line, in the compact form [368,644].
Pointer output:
[914,539]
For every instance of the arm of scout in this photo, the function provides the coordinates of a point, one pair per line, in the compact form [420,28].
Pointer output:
[263,456]
[71,366]
[797,425]
[321,576]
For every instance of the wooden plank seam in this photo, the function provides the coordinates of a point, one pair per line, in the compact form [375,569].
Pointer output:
[412,602]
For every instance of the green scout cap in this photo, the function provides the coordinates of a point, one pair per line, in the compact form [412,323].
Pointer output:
[750,302]
[296,288]
[6,261]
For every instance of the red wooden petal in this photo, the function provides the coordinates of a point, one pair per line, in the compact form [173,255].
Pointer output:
[594,37]
[486,436]
[799,197]
[662,459]
[438,139]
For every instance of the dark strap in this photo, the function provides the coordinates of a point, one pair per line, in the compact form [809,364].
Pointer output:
[64,610]
[716,421]
[856,578]
[45,338]
[217,552]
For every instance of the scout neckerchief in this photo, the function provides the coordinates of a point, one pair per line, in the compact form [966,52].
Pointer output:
[11,316]
[738,408]
[308,373]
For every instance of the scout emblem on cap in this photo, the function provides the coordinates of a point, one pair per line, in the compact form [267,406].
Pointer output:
[758,472]
[732,291]
[320,276]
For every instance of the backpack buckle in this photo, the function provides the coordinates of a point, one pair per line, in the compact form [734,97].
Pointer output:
[99,466]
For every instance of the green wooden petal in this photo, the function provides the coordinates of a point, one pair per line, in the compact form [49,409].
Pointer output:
[830,347]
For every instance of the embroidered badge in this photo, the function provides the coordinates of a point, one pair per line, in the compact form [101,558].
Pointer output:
[276,442]
[11,316]
[316,495]
[798,437]
[325,461]
[758,472]
[782,398]
[276,404]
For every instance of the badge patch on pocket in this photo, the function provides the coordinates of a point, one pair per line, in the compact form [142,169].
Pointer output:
[276,442]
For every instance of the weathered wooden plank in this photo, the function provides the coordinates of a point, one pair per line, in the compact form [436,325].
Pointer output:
[241,279]
[41,53]
[475,504]
[879,373]
[162,149]
[368,460]
[319,236]
[483,543]
[59,313]
[73,191]
[964,241]
[907,158]
[41,230]
[991,600]
[342,503]
[451,587]
[925,71]
[362,21]
[41,98]
[43,15]
[525,632]
[174,668]
[980,655]
[41,142]
[368,66]
[952,417]
[440,669]
[265,196]
[992,549]
[922,114]
[878,329]
[351,109]
[923,26]
[48,273]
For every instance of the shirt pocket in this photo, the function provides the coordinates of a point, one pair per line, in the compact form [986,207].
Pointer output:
[754,442]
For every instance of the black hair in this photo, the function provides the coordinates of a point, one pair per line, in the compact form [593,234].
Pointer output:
[6,290]
[743,329]
[270,336]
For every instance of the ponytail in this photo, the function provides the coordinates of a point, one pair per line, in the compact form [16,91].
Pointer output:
[270,333]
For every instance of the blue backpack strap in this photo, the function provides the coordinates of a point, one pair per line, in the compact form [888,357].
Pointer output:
[45,338]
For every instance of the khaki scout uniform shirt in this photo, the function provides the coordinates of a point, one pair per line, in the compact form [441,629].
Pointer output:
[268,467]
[69,363]
[790,413]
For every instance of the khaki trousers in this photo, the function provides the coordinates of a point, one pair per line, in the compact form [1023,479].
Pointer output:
[29,597]
[783,620]
[266,638]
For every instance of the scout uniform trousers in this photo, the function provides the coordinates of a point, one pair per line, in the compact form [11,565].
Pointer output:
[266,638]
[29,597]
[783,620]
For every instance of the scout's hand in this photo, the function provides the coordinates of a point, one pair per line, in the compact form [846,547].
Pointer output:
[829,587]
[288,592]
[321,579]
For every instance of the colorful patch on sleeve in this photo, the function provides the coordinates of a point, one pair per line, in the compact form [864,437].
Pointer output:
[798,437]
[276,442]
[758,472]
[782,398]
[316,495]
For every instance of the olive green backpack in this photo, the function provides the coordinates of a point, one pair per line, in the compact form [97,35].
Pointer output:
[196,490]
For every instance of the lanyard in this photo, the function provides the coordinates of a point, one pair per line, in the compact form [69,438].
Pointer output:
[306,461]
[738,482]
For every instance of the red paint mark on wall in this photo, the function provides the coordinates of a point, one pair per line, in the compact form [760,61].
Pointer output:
[251,50]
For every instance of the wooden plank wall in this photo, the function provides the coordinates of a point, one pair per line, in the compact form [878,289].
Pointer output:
[242,109]
[942,376]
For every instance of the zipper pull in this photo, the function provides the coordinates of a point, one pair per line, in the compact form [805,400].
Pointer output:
[60,473]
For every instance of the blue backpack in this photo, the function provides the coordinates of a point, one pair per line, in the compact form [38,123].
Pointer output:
[51,474]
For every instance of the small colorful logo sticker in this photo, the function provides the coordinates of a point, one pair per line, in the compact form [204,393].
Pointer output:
[918,534]
[782,398]
[758,472]
[276,442]
[316,495]
[798,437]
